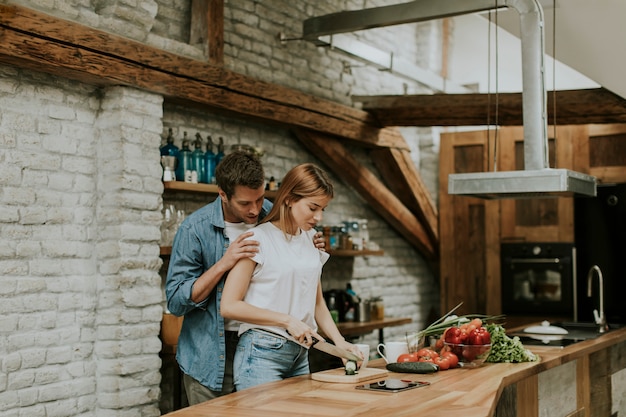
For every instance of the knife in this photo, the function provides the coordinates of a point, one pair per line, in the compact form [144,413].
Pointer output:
[334,350]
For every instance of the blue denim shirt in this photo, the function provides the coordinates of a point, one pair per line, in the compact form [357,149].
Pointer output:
[199,243]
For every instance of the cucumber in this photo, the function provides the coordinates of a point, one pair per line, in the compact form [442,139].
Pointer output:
[351,368]
[413,367]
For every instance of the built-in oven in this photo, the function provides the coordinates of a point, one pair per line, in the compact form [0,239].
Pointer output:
[538,278]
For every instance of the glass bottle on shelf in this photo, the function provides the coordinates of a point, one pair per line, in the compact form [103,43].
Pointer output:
[169,149]
[364,232]
[209,162]
[197,161]
[220,151]
[183,169]
[353,229]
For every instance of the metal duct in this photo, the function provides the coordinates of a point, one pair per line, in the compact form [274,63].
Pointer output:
[537,179]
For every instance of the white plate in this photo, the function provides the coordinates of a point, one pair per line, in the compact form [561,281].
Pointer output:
[546,328]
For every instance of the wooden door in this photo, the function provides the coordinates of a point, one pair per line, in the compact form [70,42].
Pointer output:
[468,230]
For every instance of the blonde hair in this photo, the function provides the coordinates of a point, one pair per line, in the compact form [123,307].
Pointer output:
[302,181]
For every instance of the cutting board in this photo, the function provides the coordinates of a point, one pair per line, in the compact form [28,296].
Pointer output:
[339,375]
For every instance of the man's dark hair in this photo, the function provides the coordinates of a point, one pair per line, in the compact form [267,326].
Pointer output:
[239,168]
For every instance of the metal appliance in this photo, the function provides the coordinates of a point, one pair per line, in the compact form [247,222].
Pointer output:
[600,235]
[537,179]
[538,278]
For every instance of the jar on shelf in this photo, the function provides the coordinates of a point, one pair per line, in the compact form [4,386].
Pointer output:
[378,308]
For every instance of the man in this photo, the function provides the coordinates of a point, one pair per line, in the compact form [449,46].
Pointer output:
[207,245]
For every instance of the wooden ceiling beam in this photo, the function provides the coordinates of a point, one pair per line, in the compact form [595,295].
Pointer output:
[378,196]
[400,174]
[64,48]
[44,43]
[590,106]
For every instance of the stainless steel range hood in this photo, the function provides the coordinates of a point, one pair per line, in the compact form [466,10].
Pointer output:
[537,179]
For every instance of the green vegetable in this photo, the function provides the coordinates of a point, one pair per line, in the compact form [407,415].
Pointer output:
[506,349]
[413,367]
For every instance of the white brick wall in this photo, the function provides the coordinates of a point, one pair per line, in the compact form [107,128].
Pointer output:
[80,203]
[81,199]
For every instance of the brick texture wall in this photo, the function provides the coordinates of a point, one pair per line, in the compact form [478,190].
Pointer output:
[81,199]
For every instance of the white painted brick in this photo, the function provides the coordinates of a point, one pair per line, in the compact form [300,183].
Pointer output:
[21,379]
[13,267]
[142,296]
[58,355]
[8,401]
[8,287]
[35,161]
[9,214]
[61,112]
[33,358]
[8,324]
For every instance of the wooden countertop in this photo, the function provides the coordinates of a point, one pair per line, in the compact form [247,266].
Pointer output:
[467,392]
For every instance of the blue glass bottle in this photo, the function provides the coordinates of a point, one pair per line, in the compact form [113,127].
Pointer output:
[209,162]
[197,160]
[220,151]
[169,149]
[183,169]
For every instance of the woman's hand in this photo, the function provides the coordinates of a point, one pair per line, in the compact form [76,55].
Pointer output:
[302,332]
[350,348]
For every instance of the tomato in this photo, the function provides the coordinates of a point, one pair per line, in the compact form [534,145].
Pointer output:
[452,358]
[469,353]
[406,357]
[426,352]
[442,362]
[426,355]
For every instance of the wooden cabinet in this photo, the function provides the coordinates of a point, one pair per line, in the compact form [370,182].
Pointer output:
[602,153]
[472,229]
[468,230]
[538,219]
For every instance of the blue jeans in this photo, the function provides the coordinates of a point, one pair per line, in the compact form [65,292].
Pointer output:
[263,357]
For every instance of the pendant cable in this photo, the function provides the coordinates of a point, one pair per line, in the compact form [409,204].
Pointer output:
[493,21]
[554,74]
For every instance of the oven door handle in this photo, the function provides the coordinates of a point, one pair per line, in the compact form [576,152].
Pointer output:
[535,260]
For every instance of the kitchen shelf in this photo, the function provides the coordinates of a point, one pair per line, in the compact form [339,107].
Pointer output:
[200,188]
[167,251]
[344,252]
[212,189]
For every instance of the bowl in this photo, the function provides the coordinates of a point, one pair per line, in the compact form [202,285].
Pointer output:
[470,356]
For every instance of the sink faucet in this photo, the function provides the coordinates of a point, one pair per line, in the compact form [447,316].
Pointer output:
[600,318]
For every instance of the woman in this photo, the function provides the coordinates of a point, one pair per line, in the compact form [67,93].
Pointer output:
[277,294]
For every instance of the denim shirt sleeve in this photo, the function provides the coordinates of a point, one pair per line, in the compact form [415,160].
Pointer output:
[199,243]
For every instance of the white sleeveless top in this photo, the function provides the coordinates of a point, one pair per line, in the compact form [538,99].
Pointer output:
[286,276]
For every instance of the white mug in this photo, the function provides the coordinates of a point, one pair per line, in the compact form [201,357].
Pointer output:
[365,350]
[391,350]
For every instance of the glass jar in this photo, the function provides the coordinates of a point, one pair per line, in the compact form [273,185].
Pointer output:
[378,308]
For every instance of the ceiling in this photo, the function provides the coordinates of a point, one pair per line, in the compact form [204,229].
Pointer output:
[590,38]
